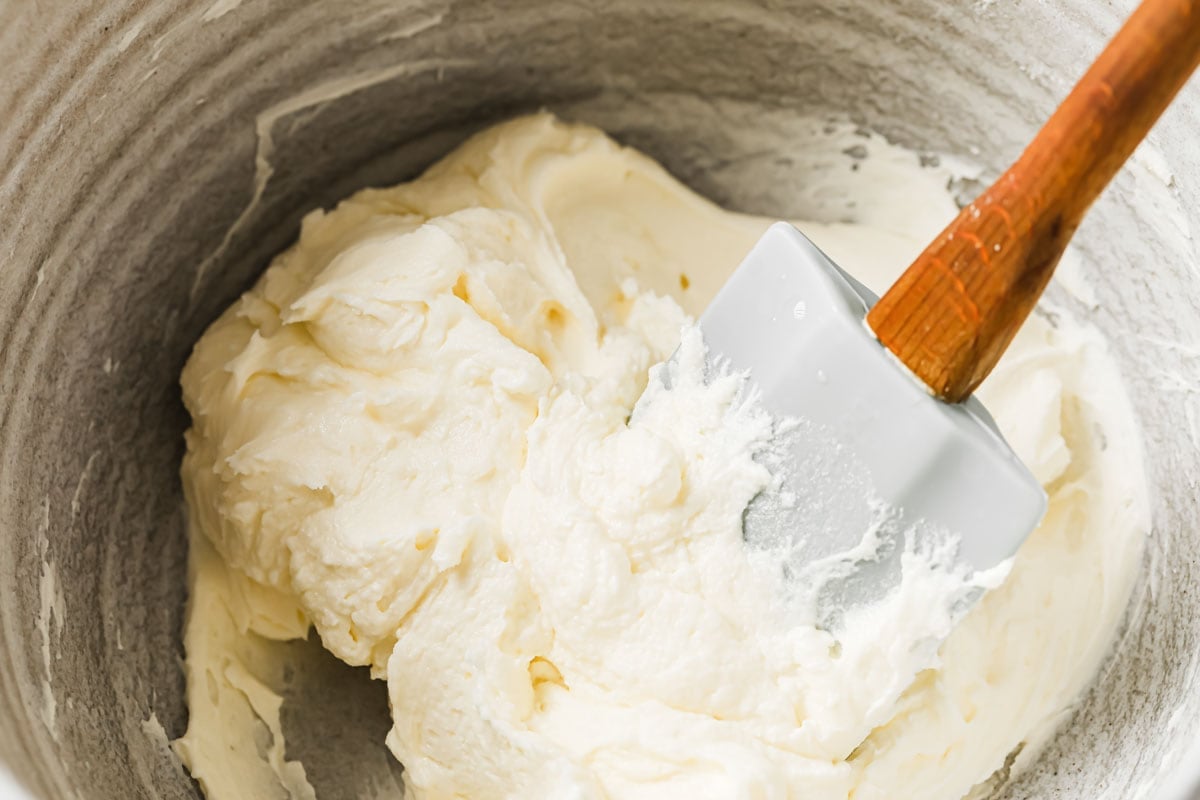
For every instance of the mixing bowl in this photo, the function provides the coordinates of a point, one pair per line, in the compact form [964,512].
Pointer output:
[153,156]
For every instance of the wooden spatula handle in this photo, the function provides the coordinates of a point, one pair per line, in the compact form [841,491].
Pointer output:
[954,311]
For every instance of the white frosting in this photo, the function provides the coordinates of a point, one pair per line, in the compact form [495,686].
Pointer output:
[413,435]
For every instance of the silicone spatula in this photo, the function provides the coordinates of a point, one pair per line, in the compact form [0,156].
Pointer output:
[882,388]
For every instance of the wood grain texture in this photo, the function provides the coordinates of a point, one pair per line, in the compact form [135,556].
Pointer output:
[951,315]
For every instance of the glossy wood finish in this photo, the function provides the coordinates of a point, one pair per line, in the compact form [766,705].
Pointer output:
[951,315]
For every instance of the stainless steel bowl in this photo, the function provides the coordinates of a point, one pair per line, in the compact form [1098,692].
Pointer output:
[153,156]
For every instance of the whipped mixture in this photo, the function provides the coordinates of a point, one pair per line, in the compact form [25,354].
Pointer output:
[413,435]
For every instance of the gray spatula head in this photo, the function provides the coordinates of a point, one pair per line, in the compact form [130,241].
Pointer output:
[870,465]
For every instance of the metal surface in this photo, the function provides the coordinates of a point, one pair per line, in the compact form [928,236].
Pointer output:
[154,155]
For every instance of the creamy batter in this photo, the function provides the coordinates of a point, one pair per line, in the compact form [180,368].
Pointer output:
[413,436]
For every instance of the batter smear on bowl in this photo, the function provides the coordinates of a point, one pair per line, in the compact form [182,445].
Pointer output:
[415,435]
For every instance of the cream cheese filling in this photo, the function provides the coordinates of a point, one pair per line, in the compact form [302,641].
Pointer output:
[412,435]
